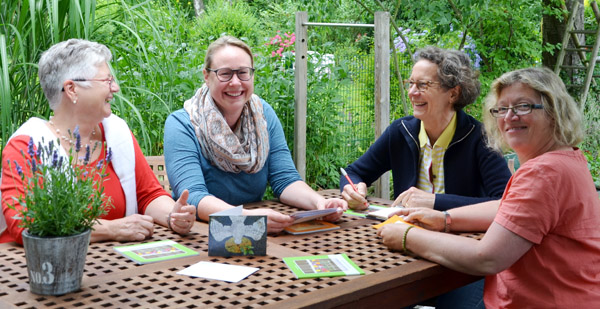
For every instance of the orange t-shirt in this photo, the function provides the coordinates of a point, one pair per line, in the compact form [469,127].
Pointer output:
[552,202]
[147,186]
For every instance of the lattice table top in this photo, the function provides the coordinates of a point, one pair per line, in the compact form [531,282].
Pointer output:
[113,281]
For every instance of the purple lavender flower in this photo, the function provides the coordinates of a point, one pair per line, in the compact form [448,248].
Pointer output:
[33,166]
[17,167]
[86,159]
[54,158]
[30,150]
[60,162]
[77,139]
[99,165]
[109,155]
[39,149]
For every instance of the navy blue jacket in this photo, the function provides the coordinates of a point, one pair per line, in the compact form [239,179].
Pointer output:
[473,173]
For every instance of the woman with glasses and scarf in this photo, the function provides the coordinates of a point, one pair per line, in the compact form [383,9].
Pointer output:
[78,84]
[226,144]
[541,248]
[437,156]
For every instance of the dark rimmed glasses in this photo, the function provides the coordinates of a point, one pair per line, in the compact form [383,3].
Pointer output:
[226,74]
[110,80]
[422,85]
[519,109]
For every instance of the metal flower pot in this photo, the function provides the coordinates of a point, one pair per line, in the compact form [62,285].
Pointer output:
[55,264]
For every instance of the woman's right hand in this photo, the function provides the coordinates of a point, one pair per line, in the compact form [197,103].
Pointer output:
[424,217]
[276,221]
[130,228]
[356,200]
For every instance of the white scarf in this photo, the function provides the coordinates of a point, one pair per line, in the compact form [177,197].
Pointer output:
[118,139]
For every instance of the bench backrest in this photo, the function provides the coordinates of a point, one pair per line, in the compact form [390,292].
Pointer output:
[157,164]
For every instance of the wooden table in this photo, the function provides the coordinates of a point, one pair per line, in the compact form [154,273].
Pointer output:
[113,281]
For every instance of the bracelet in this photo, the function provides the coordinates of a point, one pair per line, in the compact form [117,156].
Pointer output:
[169,221]
[404,238]
[447,222]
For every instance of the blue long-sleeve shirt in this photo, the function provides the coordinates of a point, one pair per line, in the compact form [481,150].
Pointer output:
[473,173]
[188,169]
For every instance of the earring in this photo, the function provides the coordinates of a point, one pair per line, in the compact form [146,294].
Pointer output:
[74,101]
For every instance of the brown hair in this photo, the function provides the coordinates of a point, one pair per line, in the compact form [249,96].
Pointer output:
[222,42]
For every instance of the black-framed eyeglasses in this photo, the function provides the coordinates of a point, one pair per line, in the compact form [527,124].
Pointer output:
[422,85]
[518,109]
[225,74]
[110,80]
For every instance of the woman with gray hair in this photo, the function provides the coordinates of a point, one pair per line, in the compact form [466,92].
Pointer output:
[438,156]
[542,244]
[79,86]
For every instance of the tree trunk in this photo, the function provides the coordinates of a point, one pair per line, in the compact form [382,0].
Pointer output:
[553,30]
[198,7]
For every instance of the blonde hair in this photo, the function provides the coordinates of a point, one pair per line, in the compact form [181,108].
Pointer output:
[223,42]
[558,105]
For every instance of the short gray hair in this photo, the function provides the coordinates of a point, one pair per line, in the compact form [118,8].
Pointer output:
[454,69]
[558,105]
[71,59]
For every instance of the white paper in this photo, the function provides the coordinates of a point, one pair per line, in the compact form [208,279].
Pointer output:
[218,271]
[303,216]
[343,264]
[235,211]
[384,213]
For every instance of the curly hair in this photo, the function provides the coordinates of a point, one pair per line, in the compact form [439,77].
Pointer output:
[558,105]
[454,69]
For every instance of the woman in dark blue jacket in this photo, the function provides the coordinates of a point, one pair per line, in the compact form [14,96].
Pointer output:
[438,156]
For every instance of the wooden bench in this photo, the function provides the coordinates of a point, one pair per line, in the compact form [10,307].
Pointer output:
[157,164]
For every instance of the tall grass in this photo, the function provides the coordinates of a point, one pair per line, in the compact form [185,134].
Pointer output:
[155,61]
[27,28]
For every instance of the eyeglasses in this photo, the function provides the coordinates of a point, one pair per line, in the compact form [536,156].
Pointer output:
[110,80]
[519,109]
[422,85]
[225,74]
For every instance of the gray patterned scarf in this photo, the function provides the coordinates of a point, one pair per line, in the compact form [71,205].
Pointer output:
[246,149]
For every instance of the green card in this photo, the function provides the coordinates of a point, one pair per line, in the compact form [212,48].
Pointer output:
[155,251]
[333,265]
[363,213]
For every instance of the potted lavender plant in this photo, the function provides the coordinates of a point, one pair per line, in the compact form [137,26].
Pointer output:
[61,202]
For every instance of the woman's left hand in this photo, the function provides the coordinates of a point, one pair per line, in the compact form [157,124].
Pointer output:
[392,234]
[414,197]
[182,215]
[338,203]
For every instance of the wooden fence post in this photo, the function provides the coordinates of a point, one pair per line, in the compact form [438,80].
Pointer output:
[382,90]
[300,93]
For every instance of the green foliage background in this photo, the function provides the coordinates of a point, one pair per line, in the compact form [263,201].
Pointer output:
[159,45]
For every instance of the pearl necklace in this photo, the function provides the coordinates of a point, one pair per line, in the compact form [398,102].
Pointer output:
[69,140]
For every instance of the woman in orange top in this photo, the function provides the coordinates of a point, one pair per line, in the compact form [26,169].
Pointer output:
[542,245]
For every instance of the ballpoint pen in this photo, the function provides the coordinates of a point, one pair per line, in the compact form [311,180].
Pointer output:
[351,183]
